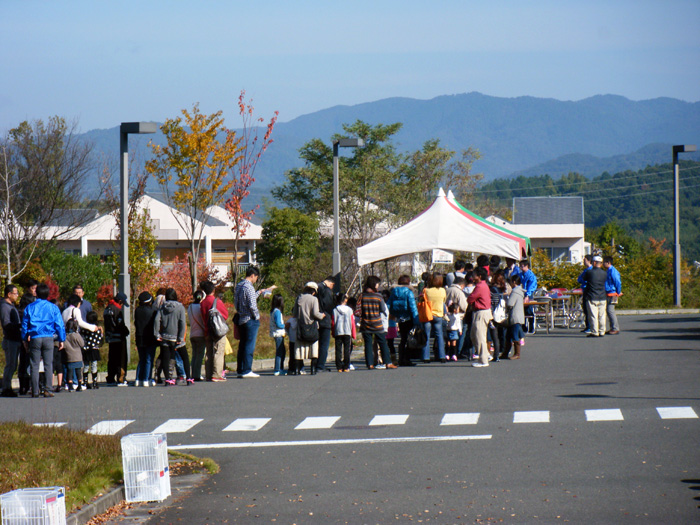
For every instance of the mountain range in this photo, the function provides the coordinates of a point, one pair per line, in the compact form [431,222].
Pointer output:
[515,136]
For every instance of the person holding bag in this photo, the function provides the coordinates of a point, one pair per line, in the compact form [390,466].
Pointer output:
[402,305]
[435,293]
[308,313]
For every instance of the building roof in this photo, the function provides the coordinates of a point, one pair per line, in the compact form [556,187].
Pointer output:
[548,210]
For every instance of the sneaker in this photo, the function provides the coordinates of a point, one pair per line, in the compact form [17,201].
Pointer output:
[190,381]
[302,372]
[479,364]
[181,381]
[123,383]
[145,384]
[351,367]
[218,379]
[153,382]
[65,387]
[586,331]
[380,367]
[81,388]
[276,373]
[250,374]
[137,383]
[169,382]
[522,343]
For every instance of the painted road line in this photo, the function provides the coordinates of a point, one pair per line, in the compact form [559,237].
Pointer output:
[394,419]
[464,418]
[317,422]
[172,426]
[108,428]
[247,424]
[604,414]
[676,413]
[535,416]
[50,424]
[358,441]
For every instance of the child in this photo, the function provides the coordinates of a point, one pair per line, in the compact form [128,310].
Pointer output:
[454,330]
[73,350]
[91,349]
[291,327]
[277,332]
[344,323]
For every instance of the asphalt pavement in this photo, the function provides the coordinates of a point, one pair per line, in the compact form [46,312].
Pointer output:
[580,430]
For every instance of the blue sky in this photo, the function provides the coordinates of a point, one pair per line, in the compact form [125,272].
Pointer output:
[103,63]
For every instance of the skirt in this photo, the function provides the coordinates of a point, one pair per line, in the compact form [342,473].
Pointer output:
[306,350]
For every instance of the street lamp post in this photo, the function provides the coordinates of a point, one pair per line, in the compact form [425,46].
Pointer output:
[686,148]
[340,143]
[125,129]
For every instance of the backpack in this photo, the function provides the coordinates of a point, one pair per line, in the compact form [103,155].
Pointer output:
[216,324]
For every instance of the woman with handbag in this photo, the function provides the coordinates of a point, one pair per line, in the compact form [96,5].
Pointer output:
[435,295]
[402,305]
[308,313]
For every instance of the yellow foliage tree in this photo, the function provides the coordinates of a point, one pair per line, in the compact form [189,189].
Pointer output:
[195,171]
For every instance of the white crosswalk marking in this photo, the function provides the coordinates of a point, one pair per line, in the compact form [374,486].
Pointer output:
[465,418]
[604,414]
[317,422]
[535,416]
[50,424]
[676,413]
[395,419]
[247,424]
[172,426]
[108,428]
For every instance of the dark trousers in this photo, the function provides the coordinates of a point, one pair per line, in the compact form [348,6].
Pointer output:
[343,346]
[116,362]
[404,329]
[324,343]
[380,338]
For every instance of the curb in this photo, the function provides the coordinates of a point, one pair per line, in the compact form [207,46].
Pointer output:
[97,507]
[661,311]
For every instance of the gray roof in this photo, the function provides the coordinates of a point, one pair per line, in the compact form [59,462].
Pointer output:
[72,217]
[548,210]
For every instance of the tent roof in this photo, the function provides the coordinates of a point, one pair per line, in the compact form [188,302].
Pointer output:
[448,226]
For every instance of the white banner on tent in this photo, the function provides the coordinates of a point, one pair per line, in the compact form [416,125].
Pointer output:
[442,257]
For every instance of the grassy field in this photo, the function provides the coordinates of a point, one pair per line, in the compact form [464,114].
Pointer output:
[84,464]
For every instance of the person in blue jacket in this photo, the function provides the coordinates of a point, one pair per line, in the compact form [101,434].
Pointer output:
[402,305]
[587,265]
[528,281]
[41,322]
[613,288]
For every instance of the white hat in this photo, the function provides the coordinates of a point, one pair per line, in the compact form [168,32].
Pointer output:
[311,284]
[597,258]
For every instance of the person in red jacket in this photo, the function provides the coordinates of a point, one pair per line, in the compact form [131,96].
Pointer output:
[480,303]
[216,348]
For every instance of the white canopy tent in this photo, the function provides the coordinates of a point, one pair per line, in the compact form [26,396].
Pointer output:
[443,226]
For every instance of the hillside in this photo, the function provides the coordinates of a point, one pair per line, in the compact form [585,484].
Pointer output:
[640,201]
[515,135]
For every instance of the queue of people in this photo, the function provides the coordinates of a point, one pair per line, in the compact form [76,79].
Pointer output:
[475,313]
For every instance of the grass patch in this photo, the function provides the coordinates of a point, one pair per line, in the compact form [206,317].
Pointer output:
[208,464]
[84,464]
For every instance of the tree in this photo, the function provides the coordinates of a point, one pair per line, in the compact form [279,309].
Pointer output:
[67,270]
[290,253]
[379,188]
[44,173]
[251,152]
[200,166]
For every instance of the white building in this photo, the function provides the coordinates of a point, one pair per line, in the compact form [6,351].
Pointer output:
[553,224]
[99,236]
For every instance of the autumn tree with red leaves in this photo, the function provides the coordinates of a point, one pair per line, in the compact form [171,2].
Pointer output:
[251,150]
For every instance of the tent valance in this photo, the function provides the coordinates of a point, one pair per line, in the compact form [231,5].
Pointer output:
[448,226]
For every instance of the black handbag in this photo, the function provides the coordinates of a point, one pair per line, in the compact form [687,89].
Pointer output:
[416,338]
[307,332]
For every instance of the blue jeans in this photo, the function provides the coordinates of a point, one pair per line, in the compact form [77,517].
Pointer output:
[380,338]
[437,326]
[147,355]
[324,343]
[246,346]
[41,348]
[279,354]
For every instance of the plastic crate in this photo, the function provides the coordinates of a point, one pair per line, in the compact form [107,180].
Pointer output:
[145,463]
[35,506]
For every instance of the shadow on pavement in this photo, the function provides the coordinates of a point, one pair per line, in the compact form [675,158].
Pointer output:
[589,396]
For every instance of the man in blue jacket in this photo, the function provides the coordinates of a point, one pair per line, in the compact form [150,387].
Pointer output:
[613,288]
[42,321]
[528,281]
